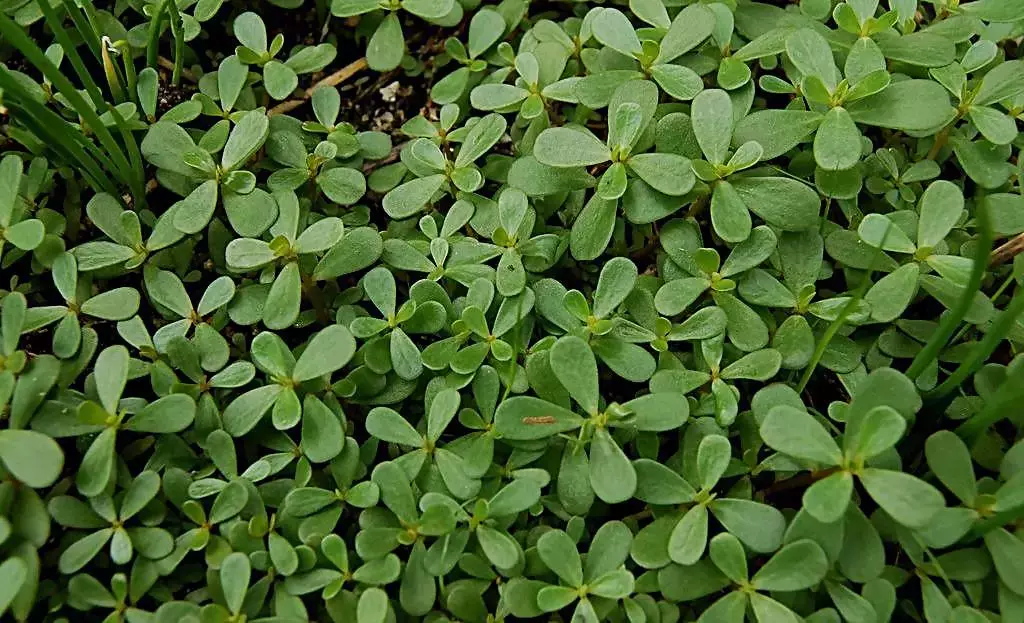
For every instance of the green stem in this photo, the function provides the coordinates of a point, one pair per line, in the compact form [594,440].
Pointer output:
[980,354]
[153,43]
[316,298]
[179,43]
[996,407]
[952,320]
[831,331]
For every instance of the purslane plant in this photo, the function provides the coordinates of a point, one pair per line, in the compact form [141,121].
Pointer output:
[643,311]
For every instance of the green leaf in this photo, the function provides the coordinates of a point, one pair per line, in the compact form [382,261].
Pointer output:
[837,143]
[729,215]
[526,417]
[342,185]
[282,306]
[689,29]
[712,118]
[812,55]
[827,499]
[32,458]
[1006,550]
[386,48]
[576,369]
[111,374]
[612,28]
[950,460]
[611,474]
[557,550]
[411,197]
[244,412]
[890,296]
[795,432]
[941,207]
[797,566]
[245,140]
[782,202]
[234,579]
[328,351]
[689,537]
[569,147]
[912,105]
[878,430]
[909,500]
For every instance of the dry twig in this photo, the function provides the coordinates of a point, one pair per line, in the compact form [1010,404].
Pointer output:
[334,79]
[1007,251]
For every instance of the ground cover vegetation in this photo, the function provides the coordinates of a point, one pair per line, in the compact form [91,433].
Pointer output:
[476,311]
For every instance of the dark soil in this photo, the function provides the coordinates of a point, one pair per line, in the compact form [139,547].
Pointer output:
[170,96]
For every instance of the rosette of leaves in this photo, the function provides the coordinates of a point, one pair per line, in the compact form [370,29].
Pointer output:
[656,55]
[433,169]
[448,254]
[875,420]
[613,338]
[899,181]
[724,398]
[386,46]
[320,508]
[782,202]
[126,248]
[168,294]
[225,93]
[389,426]
[950,460]
[606,470]
[477,447]
[105,412]
[291,250]
[234,494]
[107,516]
[537,84]
[515,235]
[630,113]
[115,304]
[24,233]
[87,593]
[682,537]
[28,456]
[342,185]
[602,577]
[188,357]
[331,580]
[744,328]
[486,528]
[148,87]
[798,566]
[940,209]
[401,523]
[388,346]
[279,79]
[485,29]
[496,339]
[327,351]
[190,170]
[24,381]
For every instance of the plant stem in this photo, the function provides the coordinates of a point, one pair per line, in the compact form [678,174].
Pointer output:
[940,140]
[153,43]
[952,320]
[995,335]
[996,408]
[316,298]
[179,42]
